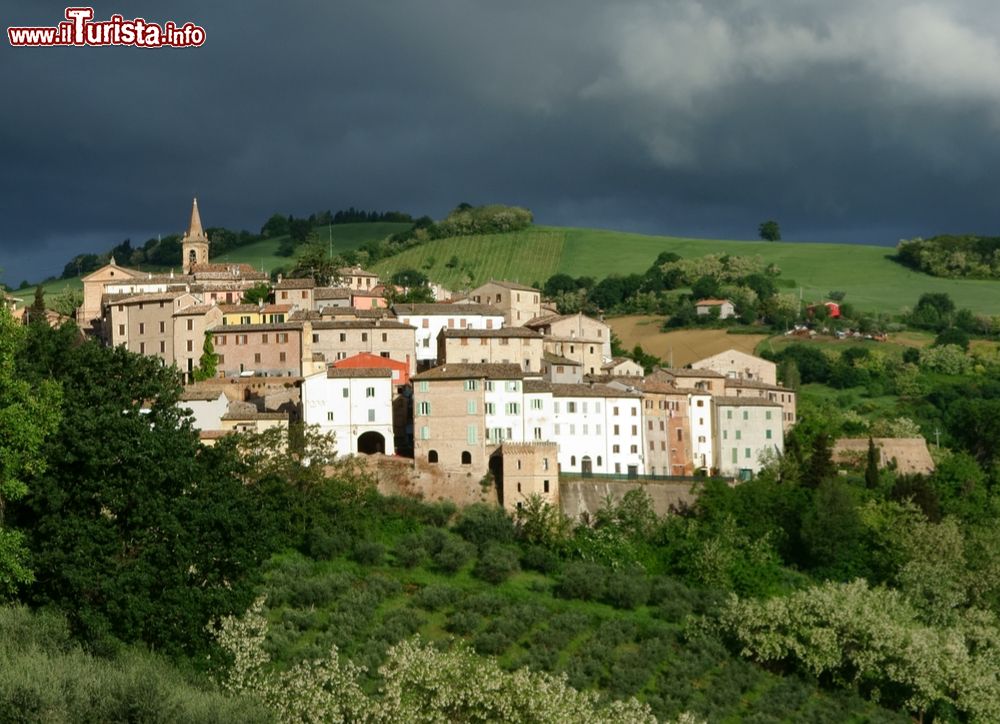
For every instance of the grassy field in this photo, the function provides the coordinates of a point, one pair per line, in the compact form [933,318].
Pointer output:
[526,257]
[895,345]
[682,346]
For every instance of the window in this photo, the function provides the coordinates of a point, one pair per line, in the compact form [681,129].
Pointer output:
[245,319]
[615,430]
[536,404]
[163,347]
[142,348]
[586,430]
[572,429]
[345,392]
[556,428]
[385,337]
[701,438]
[572,460]
[488,385]
[190,346]
[729,414]
[615,448]
[315,338]
[466,457]
[556,406]
[635,411]
[739,434]
[746,414]
[121,330]
[634,449]
[222,359]
[163,327]
[470,407]
[538,433]
[256,358]
[371,415]
[281,356]
[329,417]
[142,327]
[512,386]
[767,434]
[369,392]
[545,486]
[767,414]
[725,434]
[735,453]
[599,462]
[680,436]
[513,408]
[491,408]
[384,354]
[471,385]
[545,463]
[364,336]
[343,336]
[425,323]
[746,452]
[615,412]
[570,407]
[425,434]
[432,455]
[471,434]
[635,429]
[423,385]
[284,295]
[423,408]
[190,324]
[263,338]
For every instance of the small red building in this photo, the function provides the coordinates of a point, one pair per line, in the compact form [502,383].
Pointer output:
[367,360]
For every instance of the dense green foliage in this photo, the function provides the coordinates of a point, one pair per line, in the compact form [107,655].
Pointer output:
[954,256]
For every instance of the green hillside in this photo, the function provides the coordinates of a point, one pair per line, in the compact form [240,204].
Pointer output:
[521,256]
[872,281]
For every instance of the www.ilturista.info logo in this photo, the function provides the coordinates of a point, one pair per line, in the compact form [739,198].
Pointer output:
[80,29]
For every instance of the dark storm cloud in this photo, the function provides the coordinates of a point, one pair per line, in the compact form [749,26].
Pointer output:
[845,121]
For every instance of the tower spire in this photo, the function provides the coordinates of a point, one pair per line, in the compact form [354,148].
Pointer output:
[195,231]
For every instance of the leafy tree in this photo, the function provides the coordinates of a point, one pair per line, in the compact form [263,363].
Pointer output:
[36,312]
[277,225]
[29,413]
[409,278]
[257,294]
[953,336]
[209,361]
[933,310]
[314,261]
[136,531]
[821,465]
[789,374]
[769,230]
[67,303]
[705,287]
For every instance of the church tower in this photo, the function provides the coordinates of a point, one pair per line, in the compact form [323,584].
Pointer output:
[194,245]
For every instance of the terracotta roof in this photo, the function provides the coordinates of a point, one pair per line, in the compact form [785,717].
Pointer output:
[348,372]
[662,388]
[307,283]
[209,394]
[489,371]
[233,268]
[267,308]
[554,359]
[502,332]
[195,309]
[360,324]
[445,309]
[755,384]
[355,271]
[544,320]
[722,401]
[332,293]
[267,327]
[248,411]
[617,361]
[577,390]
[509,285]
[143,298]
[680,372]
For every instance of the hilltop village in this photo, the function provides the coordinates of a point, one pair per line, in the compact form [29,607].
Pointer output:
[491,390]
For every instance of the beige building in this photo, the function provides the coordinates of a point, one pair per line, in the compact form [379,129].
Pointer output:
[576,337]
[331,297]
[270,350]
[508,345]
[299,293]
[703,381]
[527,469]
[89,313]
[561,370]
[450,423]
[190,325]
[747,432]
[519,303]
[145,323]
[357,278]
[774,393]
[622,367]
[725,307]
[666,417]
[741,366]
[331,340]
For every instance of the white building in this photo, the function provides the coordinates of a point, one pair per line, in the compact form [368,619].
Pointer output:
[700,414]
[747,430]
[355,404]
[598,428]
[430,319]
[207,407]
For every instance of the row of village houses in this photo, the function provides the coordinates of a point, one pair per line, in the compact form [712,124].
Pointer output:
[492,382]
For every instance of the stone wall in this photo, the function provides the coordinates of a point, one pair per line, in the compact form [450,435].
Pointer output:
[587,495]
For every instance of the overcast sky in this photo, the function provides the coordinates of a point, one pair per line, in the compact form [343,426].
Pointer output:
[845,121]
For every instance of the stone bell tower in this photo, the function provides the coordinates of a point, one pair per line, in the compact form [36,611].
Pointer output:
[194,245]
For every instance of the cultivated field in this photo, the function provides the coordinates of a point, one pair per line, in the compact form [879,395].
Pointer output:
[525,256]
[683,346]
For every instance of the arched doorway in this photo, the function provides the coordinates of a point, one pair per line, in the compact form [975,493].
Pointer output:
[586,467]
[371,442]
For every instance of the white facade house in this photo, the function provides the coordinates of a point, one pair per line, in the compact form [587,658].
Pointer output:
[700,414]
[747,431]
[430,319]
[355,404]
[598,428]
[207,407]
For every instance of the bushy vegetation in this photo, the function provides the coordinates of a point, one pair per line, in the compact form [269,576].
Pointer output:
[954,256]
